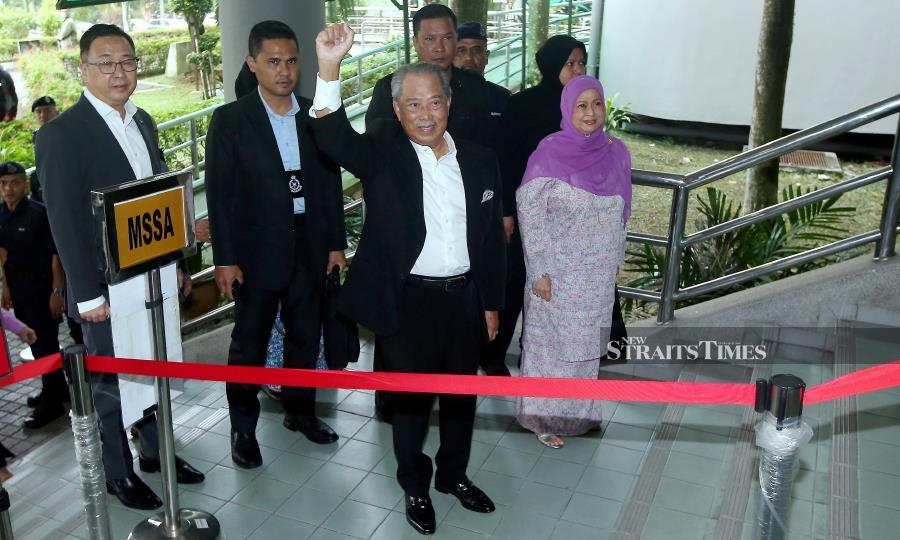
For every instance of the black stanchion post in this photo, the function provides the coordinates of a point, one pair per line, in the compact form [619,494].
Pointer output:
[6,532]
[780,436]
[173,523]
[88,452]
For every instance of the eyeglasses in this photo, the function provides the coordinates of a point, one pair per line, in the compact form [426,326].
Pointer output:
[108,68]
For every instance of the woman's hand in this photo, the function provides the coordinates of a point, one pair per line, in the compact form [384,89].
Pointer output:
[541,287]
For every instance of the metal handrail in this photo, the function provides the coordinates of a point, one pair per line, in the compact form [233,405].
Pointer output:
[681,185]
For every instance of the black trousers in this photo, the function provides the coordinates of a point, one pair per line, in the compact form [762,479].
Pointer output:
[440,332]
[31,303]
[515,287]
[301,313]
[117,458]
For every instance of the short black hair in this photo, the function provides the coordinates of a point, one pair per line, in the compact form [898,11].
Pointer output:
[99,31]
[268,30]
[433,11]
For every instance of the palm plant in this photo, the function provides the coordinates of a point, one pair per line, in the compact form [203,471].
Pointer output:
[748,247]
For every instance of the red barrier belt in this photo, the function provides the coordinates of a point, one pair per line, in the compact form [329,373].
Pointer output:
[863,381]
[650,391]
[32,369]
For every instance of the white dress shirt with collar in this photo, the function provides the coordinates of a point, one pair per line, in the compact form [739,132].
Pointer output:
[128,135]
[446,250]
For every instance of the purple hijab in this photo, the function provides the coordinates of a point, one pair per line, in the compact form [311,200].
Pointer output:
[596,163]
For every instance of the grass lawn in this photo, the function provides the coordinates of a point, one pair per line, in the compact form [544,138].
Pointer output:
[176,94]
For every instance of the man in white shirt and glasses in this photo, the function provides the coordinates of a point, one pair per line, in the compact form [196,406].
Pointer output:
[102,140]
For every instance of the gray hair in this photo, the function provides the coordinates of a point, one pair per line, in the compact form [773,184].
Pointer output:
[419,68]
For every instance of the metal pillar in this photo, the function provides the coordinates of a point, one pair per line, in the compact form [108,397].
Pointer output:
[6,532]
[524,79]
[671,277]
[593,64]
[891,210]
[173,523]
[88,452]
[780,436]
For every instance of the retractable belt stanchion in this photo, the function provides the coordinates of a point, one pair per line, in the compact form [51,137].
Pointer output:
[88,452]
[780,435]
[173,522]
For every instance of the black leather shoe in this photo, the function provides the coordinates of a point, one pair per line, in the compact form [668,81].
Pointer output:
[469,496]
[36,400]
[420,514]
[43,415]
[183,470]
[133,493]
[315,430]
[245,450]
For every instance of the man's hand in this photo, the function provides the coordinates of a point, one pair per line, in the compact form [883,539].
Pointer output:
[332,44]
[98,314]
[493,324]
[509,225]
[57,305]
[185,284]
[201,231]
[226,276]
[27,335]
[541,288]
[6,300]
[336,258]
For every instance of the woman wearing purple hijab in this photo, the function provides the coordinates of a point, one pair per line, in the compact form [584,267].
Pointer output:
[573,204]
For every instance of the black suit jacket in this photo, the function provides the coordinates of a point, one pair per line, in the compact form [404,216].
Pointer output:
[75,154]
[394,231]
[250,206]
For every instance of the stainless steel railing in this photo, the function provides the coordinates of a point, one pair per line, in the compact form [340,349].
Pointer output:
[677,240]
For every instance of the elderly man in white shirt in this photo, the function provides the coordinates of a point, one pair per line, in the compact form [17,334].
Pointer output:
[428,276]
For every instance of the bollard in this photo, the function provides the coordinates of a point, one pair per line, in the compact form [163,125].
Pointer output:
[88,452]
[6,532]
[174,522]
[780,435]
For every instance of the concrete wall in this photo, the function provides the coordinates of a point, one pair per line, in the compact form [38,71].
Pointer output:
[237,17]
[695,60]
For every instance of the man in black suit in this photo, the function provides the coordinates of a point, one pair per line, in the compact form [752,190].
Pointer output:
[102,140]
[428,276]
[277,223]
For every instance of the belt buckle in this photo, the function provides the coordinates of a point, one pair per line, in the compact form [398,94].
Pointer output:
[455,283]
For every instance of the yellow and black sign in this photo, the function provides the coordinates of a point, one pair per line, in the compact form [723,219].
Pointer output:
[151,226]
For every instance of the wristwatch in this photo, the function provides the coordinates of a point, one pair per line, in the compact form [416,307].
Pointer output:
[57,291]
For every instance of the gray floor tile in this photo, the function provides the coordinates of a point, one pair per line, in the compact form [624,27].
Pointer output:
[359,454]
[209,447]
[376,432]
[264,493]
[711,421]
[609,456]
[510,462]
[309,506]
[665,524]
[577,449]
[489,431]
[541,499]
[879,488]
[553,472]
[566,530]
[500,488]
[631,437]
[336,479]
[593,511]
[223,482]
[322,452]
[701,443]
[358,403]
[474,521]
[325,534]
[292,468]
[277,436]
[199,501]
[344,424]
[523,440]
[637,414]
[882,429]
[879,457]
[519,525]
[695,469]
[378,490]
[395,527]
[671,494]
[356,519]
[606,483]
[495,408]
[239,522]
[387,466]
[449,532]
[479,454]
[277,527]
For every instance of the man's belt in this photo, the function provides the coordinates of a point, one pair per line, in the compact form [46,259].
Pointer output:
[451,283]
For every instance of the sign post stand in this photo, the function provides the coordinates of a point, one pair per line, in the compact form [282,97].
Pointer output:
[143,225]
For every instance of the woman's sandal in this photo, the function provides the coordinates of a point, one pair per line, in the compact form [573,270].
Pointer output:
[551,440]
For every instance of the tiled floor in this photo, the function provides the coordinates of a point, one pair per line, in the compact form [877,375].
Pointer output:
[586,490]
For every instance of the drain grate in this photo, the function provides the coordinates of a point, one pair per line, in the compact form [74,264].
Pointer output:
[810,160]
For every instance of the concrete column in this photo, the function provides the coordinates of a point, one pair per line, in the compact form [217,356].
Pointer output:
[237,17]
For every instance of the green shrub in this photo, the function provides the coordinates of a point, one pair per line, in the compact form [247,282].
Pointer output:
[9,48]
[49,21]
[17,144]
[16,23]
[169,138]
[47,75]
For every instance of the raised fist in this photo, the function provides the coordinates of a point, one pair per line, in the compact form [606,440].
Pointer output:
[333,43]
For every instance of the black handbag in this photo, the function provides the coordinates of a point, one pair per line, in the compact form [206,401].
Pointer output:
[341,335]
